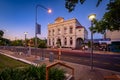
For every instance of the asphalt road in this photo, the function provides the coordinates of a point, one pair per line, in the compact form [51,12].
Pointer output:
[105,61]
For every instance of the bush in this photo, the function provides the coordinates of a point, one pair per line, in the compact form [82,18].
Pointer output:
[56,74]
[31,73]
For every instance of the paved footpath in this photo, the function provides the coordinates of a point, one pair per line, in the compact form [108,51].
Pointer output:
[82,72]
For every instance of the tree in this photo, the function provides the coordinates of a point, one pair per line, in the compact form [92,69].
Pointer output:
[110,20]
[70,4]
[1,33]
[17,43]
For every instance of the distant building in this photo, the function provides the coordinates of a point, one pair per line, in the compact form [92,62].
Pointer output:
[113,35]
[69,33]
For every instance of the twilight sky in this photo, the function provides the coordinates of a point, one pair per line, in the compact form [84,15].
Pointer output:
[18,16]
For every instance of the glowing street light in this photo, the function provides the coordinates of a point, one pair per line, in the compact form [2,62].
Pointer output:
[37,26]
[92,18]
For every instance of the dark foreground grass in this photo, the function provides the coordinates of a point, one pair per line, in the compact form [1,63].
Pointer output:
[6,62]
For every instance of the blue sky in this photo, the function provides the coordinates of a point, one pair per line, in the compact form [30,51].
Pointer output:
[18,16]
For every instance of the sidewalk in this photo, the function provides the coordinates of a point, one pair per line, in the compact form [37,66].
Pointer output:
[82,72]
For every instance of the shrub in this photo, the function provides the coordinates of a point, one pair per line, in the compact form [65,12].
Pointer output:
[56,74]
[31,73]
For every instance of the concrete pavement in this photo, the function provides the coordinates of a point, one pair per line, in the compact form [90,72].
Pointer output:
[82,72]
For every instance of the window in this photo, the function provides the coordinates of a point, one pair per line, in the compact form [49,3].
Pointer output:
[53,32]
[71,30]
[71,41]
[53,41]
[65,41]
[59,31]
[65,30]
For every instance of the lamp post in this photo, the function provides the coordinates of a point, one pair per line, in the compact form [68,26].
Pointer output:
[25,37]
[36,25]
[92,18]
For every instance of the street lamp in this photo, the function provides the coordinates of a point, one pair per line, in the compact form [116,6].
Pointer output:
[25,37]
[92,18]
[36,25]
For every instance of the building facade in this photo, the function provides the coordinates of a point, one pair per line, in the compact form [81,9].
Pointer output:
[113,35]
[69,33]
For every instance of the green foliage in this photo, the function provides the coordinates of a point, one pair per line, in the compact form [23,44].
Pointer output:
[110,20]
[17,43]
[35,73]
[4,42]
[56,74]
[31,73]
[11,74]
[71,4]
[42,44]
[1,33]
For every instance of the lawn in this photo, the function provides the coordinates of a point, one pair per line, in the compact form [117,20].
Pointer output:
[9,62]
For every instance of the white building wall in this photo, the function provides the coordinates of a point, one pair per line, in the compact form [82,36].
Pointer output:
[65,24]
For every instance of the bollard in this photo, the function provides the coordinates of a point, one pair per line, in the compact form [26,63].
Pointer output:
[51,57]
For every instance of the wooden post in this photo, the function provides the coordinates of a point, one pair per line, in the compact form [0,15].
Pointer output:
[46,73]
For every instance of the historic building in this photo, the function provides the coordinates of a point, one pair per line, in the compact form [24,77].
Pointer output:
[69,33]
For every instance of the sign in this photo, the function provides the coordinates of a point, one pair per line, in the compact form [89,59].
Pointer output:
[38,29]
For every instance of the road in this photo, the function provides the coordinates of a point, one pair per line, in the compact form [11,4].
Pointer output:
[105,61]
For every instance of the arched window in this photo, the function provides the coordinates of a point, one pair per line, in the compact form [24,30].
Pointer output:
[71,41]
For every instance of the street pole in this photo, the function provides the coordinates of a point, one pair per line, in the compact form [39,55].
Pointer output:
[92,46]
[36,27]
[92,18]
[36,24]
